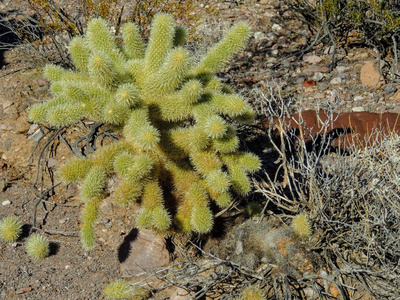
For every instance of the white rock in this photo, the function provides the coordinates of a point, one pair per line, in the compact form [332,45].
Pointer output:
[259,35]
[358,98]
[341,69]
[6,202]
[358,109]
[336,80]
[276,27]
[36,136]
[32,128]
[312,59]
[7,104]
[329,50]
[318,76]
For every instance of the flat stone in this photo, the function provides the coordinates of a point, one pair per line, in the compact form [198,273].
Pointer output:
[370,76]
[318,76]
[336,80]
[276,27]
[180,294]
[52,162]
[358,98]
[36,136]
[358,109]
[7,104]
[312,59]
[259,35]
[147,252]
[32,128]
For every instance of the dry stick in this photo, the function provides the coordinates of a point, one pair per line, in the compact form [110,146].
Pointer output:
[45,149]
[91,136]
[40,200]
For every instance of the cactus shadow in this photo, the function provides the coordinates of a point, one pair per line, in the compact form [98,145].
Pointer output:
[125,248]
[26,229]
[54,248]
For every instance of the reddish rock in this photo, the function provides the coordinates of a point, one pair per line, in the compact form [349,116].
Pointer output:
[147,252]
[346,130]
[370,76]
[308,83]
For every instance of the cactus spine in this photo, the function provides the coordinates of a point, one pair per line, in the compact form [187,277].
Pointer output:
[178,152]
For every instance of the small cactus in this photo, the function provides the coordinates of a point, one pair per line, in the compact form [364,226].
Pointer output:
[37,246]
[252,292]
[121,289]
[10,229]
[301,226]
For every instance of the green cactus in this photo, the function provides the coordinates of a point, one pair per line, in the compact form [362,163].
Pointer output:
[38,246]
[121,289]
[10,229]
[178,151]
[301,226]
[252,292]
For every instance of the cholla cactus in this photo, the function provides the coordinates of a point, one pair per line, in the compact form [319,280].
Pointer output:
[10,229]
[178,152]
[252,292]
[301,226]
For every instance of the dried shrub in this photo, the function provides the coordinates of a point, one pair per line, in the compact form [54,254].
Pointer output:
[352,200]
[345,23]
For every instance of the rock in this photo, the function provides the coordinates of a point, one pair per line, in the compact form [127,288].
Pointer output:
[313,69]
[147,252]
[7,104]
[312,59]
[329,50]
[308,83]
[6,127]
[52,162]
[358,98]
[358,109]
[390,88]
[370,76]
[341,69]
[6,202]
[336,80]
[180,294]
[276,27]
[36,136]
[22,124]
[259,35]
[32,128]
[318,76]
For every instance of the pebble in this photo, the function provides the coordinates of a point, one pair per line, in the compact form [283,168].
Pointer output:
[36,136]
[259,35]
[329,50]
[7,104]
[276,27]
[336,80]
[358,98]
[318,76]
[390,88]
[6,202]
[341,69]
[63,221]
[32,128]
[312,59]
[358,109]
[51,162]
